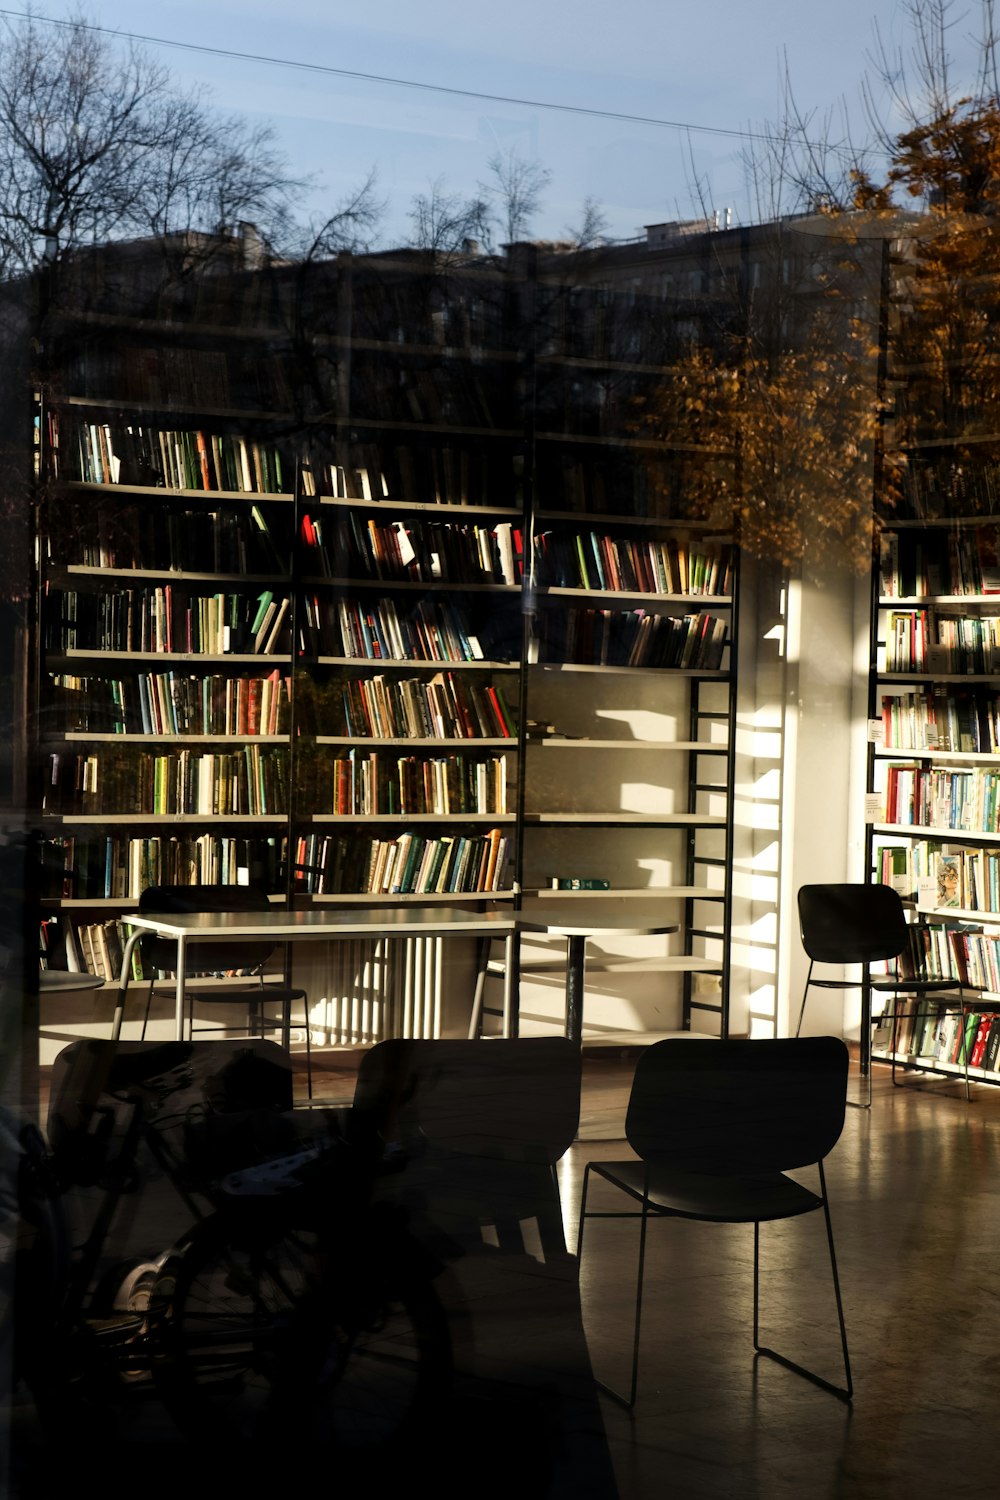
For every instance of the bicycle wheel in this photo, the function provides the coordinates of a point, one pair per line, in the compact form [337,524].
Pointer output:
[256,1340]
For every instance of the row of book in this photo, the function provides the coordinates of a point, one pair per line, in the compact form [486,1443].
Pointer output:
[631,638]
[936,1034]
[931,797]
[164,374]
[102,453]
[114,866]
[438,707]
[410,864]
[942,875]
[87,947]
[431,473]
[940,718]
[966,955]
[156,537]
[963,560]
[595,560]
[389,390]
[373,784]
[172,703]
[975,959]
[250,782]
[921,640]
[99,948]
[648,487]
[414,551]
[382,630]
[951,488]
[168,618]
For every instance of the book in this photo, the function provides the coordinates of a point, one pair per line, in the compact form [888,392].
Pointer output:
[274,634]
[992,1049]
[978,1050]
[578,883]
[948,881]
[988,549]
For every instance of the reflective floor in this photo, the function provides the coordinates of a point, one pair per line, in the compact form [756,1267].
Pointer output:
[915,1193]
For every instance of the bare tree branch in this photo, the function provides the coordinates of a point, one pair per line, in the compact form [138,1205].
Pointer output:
[97,144]
[517,189]
[447,222]
[593,227]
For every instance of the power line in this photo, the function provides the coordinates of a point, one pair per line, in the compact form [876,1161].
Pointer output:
[412,83]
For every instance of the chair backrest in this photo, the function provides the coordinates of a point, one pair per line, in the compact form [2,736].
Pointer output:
[847,924]
[511,1100]
[738,1106]
[180,1081]
[210,958]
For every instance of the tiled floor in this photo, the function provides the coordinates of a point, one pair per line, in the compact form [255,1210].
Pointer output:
[915,1192]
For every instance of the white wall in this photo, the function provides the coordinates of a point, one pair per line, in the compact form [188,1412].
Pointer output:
[825,717]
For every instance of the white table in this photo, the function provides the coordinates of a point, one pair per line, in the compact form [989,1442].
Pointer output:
[571,923]
[315,924]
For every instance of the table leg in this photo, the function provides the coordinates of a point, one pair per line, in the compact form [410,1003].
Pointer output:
[510,1008]
[576,960]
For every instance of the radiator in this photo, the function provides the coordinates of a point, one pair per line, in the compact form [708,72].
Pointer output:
[362,992]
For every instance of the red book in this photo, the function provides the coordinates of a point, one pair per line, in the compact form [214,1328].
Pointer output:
[503,727]
[982,1037]
[253,708]
[206,474]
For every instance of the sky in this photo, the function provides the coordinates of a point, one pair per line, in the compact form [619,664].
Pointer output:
[654,96]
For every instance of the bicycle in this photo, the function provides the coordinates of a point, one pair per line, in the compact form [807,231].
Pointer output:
[294,1295]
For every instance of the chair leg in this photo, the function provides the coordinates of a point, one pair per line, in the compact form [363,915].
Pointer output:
[306,1028]
[846,1391]
[865,1043]
[145,1018]
[638,1301]
[583,1214]
[627,1401]
[805,996]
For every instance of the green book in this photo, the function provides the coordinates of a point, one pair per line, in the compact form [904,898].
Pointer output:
[263,601]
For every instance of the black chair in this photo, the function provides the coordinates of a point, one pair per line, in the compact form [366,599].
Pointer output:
[866,924]
[482,1125]
[244,961]
[474,1129]
[715,1126]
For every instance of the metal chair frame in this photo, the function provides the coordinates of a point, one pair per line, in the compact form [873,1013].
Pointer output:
[749,1111]
[866,924]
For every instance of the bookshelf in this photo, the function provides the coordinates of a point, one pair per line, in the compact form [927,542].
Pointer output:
[407,616]
[164,678]
[934,766]
[630,723]
[410,561]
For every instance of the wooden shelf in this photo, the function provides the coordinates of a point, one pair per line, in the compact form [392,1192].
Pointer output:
[506,743]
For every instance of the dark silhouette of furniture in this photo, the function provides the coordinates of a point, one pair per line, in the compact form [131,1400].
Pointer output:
[476,1129]
[481,1125]
[244,961]
[866,924]
[715,1126]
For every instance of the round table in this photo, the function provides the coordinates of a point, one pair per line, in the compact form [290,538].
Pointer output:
[66,981]
[576,928]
